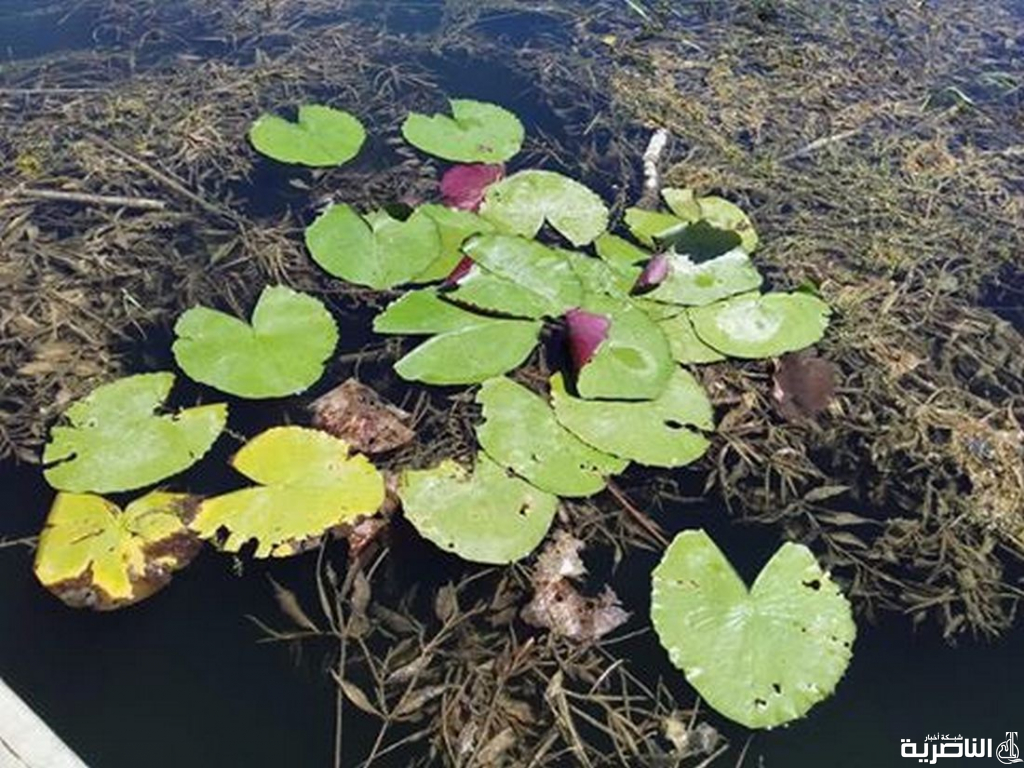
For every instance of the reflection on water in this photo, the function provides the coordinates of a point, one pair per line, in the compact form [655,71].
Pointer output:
[182,679]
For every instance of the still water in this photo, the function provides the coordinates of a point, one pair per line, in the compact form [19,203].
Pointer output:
[183,679]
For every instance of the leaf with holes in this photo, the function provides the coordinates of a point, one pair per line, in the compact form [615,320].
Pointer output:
[375,250]
[321,136]
[762,656]
[524,201]
[696,284]
[520,432]
[477,132]
[757,326]
[657,433]
[94,555]
[308,484]
[485,517]
[114,439]
[633,362]
[282,352]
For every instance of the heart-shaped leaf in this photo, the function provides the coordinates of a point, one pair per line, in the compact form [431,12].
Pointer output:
[322,136]
[477,132]
[634,362]
[309,484]
[690,284]
[376,250]
[524,201]
[761,657]
[93,555]
[281,353]
[655,433]
[544,274]
[115,440]
[520,432]
[756,326]
[455,227]
[485,517]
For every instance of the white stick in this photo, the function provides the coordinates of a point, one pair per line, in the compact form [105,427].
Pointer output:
[26,741]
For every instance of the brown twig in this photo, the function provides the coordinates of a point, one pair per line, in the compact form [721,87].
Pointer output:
[86,198]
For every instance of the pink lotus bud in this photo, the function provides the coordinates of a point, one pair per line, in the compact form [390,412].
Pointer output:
[654,273]
[586,332]
[461,270]
[464,186]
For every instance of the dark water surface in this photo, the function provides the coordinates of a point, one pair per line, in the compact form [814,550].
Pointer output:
[182,679]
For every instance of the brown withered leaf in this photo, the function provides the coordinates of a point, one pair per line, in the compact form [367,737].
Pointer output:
[356,414]
[804,384]
[558,606]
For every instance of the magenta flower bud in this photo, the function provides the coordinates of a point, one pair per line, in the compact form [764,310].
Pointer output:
[654,273]
[586,332]
[464,186]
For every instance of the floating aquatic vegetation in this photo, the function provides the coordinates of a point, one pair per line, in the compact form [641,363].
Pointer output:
[686,346]
[762,656]
[116,441]
[454,227]
[282,352]
[753,325]
[476,132]
[632,362]
[375,250]
[544,279]
[523,202]
[94,555]
[485,516]
[321,136]
[308,484]
[662,432]
[520,432]
[717,212]
[678,280]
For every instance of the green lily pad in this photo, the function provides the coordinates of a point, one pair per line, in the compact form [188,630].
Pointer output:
[695,285]
[601,277]
[115,440]
[634,362]
[543,272]
[761,657]
[477,132]
[376,250]
[757,326]
[423,312]
[686,346]
[322,136]
[308,484]
[485,517]
[715,211]
[479,350]
[649,226]
[281,353]
[522,203]
[93,555]
[620,254]
[483,290]
[454,227]
[520,432]
[655,433]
